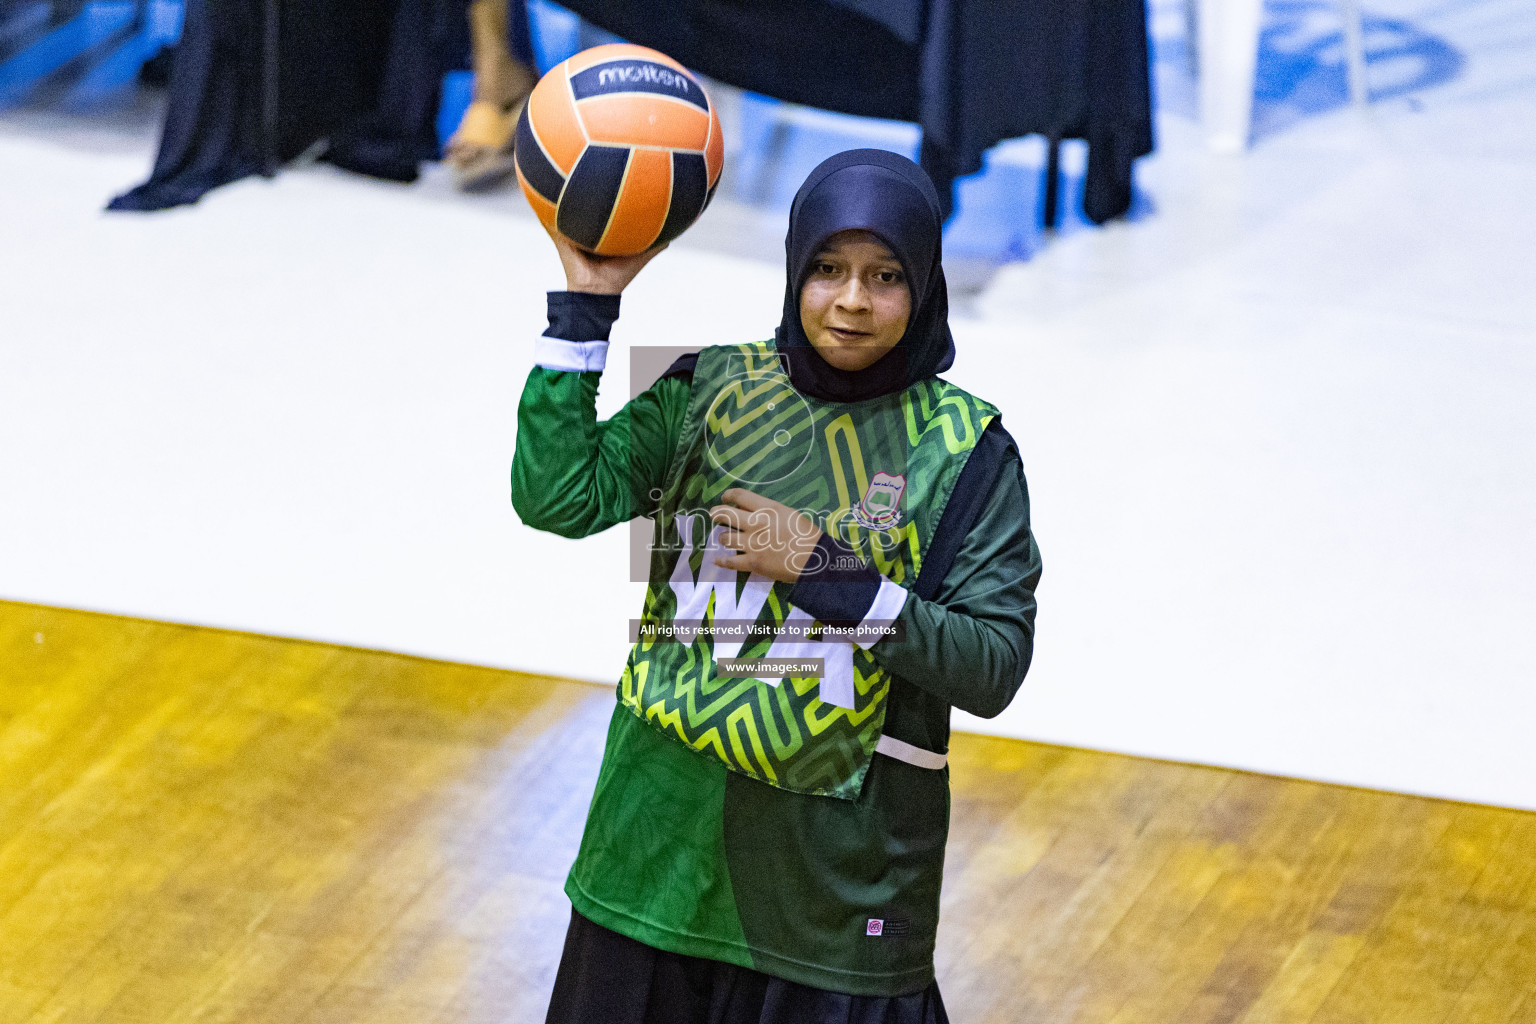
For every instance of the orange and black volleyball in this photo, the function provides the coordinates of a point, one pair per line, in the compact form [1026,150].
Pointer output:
[619,149]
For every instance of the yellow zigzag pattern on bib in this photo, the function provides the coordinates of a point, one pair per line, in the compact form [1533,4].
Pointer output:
[957,428]
[769,714]
[785,734]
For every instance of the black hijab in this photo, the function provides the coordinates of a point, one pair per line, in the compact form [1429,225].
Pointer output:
[891,197]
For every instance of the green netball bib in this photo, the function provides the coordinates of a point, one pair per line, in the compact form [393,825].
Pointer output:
[876,474]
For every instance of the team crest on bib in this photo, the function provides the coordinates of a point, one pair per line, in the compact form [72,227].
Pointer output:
[880,508]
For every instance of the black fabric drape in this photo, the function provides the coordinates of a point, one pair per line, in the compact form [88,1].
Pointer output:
[391,140]
[213,126]
[429,39]
[970,73]
[366,73]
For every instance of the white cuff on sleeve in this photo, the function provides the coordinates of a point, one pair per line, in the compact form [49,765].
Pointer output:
[558,354]
[889,600]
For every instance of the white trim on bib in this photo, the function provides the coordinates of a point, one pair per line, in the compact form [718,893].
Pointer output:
[891,747]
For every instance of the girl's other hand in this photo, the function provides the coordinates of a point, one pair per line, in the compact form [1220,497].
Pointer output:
[600,275]
[773,539]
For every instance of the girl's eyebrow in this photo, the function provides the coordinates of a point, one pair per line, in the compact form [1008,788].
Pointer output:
[832,254]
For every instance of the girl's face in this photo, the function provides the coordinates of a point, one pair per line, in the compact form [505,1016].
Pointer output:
[855,303]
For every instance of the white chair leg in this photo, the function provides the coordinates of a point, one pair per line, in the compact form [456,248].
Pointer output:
[1229,53]
[1354,50]
[1192,33]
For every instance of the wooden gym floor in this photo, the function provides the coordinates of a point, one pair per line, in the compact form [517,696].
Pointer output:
[205,826]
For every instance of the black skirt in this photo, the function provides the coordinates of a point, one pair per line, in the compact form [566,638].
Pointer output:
[608,978]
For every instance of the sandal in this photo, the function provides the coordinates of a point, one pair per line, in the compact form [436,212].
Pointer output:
[480,151]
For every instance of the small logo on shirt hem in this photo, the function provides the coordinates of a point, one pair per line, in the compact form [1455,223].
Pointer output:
[883,927]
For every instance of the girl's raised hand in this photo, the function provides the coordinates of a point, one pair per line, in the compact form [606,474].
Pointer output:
[600,275]
[773,539]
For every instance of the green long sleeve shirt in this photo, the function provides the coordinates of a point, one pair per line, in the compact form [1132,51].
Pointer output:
[684,855]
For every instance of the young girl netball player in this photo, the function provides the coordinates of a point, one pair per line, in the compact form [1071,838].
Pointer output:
[766,841]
